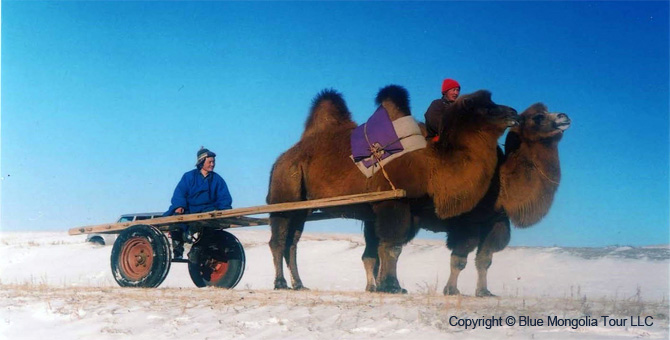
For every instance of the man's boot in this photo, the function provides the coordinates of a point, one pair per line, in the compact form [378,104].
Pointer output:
[177,244]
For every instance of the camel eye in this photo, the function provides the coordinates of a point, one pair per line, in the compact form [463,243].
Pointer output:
[538,119]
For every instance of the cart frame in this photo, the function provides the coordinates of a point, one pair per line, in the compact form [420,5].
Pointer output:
[141,255]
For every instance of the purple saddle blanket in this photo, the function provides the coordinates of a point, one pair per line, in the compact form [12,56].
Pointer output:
[381,139]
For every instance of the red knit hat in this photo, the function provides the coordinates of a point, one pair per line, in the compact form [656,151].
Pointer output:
[449,84]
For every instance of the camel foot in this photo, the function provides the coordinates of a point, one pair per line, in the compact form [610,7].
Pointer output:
[371,288]
[483,293]
[280,284]
[391,286]
[300,287]
[392,290]
[449,290]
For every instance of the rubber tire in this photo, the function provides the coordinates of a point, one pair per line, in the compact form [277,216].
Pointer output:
[160,251]
[228,250]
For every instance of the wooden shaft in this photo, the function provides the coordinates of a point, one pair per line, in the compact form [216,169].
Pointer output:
[247,221]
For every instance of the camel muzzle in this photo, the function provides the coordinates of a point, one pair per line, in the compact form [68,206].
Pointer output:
[562,122]
[511,118]
[513,121]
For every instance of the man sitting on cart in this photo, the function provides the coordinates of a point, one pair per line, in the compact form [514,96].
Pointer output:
[199,190]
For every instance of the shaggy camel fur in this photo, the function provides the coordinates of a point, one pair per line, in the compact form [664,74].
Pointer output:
[523,188]
[454,174]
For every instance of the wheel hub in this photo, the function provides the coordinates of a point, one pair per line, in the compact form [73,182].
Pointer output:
[136,258]
[218,268]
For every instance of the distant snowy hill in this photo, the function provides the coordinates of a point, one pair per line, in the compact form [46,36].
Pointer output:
[52,283]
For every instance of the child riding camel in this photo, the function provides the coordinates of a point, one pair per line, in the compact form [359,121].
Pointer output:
[437,109]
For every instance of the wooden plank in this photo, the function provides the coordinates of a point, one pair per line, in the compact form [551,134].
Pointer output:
[239,212]
[226,222]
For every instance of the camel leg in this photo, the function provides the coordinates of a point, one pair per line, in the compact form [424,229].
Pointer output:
[280,226]
[461,243]
[296,227]
[493,240]
[458,263]
[388,276]
[370,255]
[394,228]
[483,262]
[285,186]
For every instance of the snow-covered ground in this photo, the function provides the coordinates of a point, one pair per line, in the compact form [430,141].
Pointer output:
[55,285]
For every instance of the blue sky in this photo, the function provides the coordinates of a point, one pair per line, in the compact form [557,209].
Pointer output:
[104,104]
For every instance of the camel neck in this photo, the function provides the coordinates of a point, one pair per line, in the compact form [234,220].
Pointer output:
[526,199]
[463,173]
[542,153]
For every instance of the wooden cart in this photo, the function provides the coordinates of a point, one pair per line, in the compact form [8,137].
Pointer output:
[142,255]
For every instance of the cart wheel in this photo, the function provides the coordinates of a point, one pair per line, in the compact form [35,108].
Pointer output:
[140,257]
[217,259]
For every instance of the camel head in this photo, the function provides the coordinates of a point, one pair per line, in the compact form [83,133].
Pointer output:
[536,123]
[476,112]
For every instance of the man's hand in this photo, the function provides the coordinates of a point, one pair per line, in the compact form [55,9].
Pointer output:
[179,210]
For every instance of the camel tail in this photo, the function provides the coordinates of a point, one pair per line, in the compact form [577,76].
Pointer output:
[286,180]
[328,109]
[396,94]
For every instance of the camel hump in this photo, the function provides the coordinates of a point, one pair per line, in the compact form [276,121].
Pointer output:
[397,95]
[328,109]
